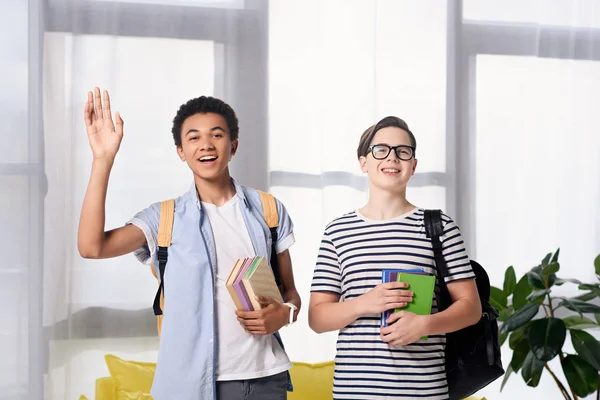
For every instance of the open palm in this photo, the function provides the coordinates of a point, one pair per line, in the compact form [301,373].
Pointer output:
[104,137]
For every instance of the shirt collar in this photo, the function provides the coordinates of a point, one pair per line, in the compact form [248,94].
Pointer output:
[239,192]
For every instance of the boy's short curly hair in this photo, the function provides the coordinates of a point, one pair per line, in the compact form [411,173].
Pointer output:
[203,105]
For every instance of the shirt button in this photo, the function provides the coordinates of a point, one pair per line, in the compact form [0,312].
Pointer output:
[211,340]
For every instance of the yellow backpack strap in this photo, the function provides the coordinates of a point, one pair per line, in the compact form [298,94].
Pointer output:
[165,224]
[269,209]
[272,220]
[165,230]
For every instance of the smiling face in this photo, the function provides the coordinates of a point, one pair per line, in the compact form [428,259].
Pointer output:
[390,173]
[206,145]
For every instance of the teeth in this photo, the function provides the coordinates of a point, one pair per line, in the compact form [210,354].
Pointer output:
[208,158]
[391,170]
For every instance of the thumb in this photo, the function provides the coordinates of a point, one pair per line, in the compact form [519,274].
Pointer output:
[120,123]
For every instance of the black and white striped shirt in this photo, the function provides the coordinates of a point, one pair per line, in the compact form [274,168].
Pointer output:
[352,254]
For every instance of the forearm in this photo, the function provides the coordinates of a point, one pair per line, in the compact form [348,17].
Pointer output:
[91,234]
[462,313]
[326,316]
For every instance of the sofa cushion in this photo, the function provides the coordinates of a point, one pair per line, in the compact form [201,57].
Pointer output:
[132,379]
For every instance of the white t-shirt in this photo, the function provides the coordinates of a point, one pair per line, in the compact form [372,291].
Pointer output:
[240,355]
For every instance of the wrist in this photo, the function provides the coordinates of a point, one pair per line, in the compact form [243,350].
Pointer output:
[428,321]
[357,307]
[291,311]
[103,162]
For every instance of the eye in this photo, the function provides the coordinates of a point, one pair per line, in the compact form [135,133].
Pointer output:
[218,135]
[192,138]
[379,149]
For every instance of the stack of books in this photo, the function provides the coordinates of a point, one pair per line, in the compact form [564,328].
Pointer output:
[421,284]
[251,277]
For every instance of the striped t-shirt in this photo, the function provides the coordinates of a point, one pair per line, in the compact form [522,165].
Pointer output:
[353,251]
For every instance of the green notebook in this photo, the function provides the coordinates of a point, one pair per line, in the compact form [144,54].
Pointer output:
[423,287]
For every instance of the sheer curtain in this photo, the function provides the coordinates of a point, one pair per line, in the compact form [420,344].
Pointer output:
[501,96]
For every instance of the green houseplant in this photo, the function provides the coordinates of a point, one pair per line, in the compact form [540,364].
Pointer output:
[536,333]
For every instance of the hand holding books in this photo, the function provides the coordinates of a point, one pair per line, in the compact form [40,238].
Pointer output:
[259,304]
[421,285]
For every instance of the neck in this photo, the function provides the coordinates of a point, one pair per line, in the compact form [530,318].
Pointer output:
[384,204]
[218,191]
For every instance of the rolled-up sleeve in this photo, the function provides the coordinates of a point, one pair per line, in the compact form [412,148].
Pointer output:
[147,221]
[285,230]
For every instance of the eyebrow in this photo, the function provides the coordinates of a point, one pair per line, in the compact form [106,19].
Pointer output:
[216,128]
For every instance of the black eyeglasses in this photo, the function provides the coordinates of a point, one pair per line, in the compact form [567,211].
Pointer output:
[381,151]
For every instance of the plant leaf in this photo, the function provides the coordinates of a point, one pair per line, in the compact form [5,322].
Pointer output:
[592,288]
[498,299]
[517,336]
[546,337]
[510,281]
[578,322]
[504,314]
[521,292]
[502,338]
[538,294]
[532,370]
[551,268]
[560,281]
[586,296]
[580,306]
[520,317]
[519,355]
[597,316]
[555,256]
[582,377]
[535,278]
[507,374]
[597,265]
[546,260]
[587,347]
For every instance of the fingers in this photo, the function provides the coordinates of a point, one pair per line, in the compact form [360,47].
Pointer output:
[251,322]
[98,104]
[106,107]
[398,293]
[395,285]
[87,114]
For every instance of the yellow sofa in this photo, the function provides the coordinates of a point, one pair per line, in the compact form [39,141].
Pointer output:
[131,380]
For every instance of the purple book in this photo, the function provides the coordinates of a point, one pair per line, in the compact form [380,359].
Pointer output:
[239,287]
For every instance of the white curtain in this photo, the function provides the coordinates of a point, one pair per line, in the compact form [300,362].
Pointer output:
[502,97]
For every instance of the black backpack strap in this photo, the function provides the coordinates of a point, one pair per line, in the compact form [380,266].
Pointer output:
[434,229]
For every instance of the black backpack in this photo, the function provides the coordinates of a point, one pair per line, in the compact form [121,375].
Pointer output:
[473,353]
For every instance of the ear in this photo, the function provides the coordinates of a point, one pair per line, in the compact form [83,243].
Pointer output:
[363,163]
[180,153]
[414,167]
[234,147]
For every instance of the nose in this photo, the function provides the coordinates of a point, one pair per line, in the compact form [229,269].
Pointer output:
[206,143]
[393,156]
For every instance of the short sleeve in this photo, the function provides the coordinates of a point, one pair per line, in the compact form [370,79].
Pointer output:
[455,253]
[147,220]
[327,276]
[285,230]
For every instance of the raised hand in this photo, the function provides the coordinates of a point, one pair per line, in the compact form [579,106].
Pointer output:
[104,137]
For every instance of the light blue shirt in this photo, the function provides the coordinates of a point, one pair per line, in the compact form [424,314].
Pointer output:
[188,344]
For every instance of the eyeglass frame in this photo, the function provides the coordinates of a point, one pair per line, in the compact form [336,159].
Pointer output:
[390,148]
